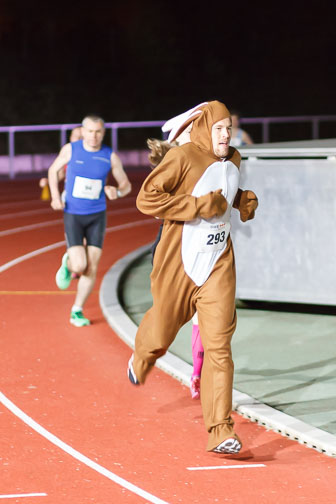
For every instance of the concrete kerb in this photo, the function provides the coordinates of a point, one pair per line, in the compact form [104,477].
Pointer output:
[243,404]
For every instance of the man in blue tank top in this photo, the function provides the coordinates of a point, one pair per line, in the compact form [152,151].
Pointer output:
[88,163]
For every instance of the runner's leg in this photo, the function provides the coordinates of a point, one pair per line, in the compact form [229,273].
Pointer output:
[172,308]
[88,275]
[197,350]
[217,320]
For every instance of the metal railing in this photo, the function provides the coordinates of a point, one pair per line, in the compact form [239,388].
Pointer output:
[265,123]
[63,129]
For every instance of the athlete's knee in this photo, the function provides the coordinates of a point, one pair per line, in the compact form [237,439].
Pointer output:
[78,265]
[93,255]
[91,268]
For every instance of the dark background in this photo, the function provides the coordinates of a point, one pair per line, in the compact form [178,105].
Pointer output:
[150,60]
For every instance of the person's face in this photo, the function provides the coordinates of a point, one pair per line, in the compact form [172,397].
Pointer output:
[76,134]
[185,136]
[221,136]
[93,134]
[235,121]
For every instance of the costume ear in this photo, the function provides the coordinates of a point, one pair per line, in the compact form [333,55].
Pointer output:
[177,124]
[177,130]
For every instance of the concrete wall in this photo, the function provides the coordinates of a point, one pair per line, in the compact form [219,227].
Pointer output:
[288,252]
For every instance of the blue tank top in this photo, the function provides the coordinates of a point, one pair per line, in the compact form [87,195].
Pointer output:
[85,179]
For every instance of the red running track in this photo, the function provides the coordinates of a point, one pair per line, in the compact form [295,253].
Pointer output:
[74,430]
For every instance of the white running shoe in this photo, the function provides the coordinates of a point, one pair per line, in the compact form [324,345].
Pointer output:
[130,372]
[230,445]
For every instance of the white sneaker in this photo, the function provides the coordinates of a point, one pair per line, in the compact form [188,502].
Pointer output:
[130,372]
[230,445]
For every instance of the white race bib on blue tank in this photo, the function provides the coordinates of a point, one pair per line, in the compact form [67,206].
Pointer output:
[87,188]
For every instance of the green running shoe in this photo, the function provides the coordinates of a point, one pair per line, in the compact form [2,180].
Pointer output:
[63,275]
[77,319]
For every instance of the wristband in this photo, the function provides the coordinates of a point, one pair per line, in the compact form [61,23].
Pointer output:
[118,194]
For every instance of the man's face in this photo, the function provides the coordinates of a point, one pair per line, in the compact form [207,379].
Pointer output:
[221,136]
[93,134]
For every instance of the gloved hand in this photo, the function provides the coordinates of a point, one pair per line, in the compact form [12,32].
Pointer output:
[212,204]
[246,202]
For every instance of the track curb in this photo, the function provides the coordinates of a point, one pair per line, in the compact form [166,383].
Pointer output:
[243,404]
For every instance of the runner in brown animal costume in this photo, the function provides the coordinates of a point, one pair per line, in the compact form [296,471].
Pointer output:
[193,190]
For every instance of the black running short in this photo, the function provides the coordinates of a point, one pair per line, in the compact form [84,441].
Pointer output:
[92,227]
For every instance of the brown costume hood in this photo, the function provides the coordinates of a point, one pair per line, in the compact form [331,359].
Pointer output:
[211,113]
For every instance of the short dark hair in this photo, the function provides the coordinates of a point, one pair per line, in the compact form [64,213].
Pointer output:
[94,118]
[235,112]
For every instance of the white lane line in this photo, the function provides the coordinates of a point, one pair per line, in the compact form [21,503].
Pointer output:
[34,253]
[76,454]
[53,246]
[26,213]
[30,227]
[25,203]
[237,466]
[130,225]
[53,222]
[16,496]
[29,203]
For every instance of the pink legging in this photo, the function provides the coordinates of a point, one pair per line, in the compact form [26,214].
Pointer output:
[197,350]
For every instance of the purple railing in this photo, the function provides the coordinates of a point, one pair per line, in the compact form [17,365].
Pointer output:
[265,123]
[63,128]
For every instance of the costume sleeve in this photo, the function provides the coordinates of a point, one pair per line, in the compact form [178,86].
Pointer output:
[159,195]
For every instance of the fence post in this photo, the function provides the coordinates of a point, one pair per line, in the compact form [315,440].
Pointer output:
[11,148]
[265,131]
[315,128]
[63,137]
[114,137]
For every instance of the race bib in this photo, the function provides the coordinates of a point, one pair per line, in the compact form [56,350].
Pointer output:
[204,240]
[213,237]
[86,188]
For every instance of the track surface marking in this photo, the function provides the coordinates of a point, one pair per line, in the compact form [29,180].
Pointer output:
[72,382]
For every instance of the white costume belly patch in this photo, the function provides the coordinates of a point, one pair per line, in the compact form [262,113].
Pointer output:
[204,240]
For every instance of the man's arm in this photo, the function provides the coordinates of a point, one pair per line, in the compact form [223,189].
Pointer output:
[62,159]
[124,186]
[158,196]
[246,138]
